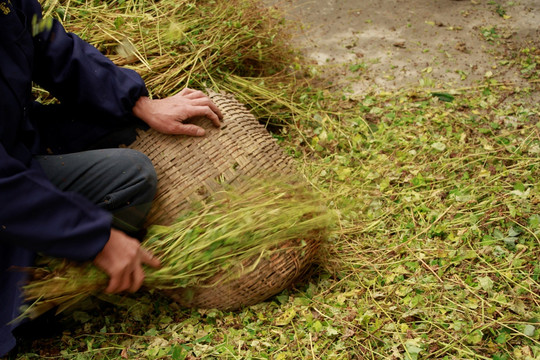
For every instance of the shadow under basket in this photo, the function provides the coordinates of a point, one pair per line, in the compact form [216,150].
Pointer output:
[190,169]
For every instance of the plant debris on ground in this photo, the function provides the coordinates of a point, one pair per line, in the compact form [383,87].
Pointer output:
[435,253]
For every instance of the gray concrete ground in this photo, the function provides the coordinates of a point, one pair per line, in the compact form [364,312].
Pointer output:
[388,44]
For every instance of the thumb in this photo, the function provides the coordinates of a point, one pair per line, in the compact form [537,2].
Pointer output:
[149,259]
[189,129]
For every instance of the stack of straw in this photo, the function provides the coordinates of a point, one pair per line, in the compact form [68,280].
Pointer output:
[237,46]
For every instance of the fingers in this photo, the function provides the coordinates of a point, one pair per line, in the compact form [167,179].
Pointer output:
[126,279]
[114,284]
[150,260]
[214,114]
[137,279]
[130,279]
[180,128]
[201,99]
[207,112]
[186,91]
[132,276]
[122,258]
[192,94]
[137,275]
[188,129]
[167,115]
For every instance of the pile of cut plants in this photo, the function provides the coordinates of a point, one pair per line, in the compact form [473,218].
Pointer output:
[437,194]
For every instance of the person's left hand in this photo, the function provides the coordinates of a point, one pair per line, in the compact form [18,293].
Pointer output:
[167,115]
[122,258]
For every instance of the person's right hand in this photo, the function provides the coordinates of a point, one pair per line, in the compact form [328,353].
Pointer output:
[122,258]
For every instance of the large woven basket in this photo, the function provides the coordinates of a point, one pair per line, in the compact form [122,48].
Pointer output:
[190,169]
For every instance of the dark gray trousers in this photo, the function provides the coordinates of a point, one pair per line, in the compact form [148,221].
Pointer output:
[121,181]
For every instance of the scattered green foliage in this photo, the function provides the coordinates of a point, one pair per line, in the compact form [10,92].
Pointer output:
[529,60]
[443,96]
[499,9]
[490,33]
[357,67]
[437,241]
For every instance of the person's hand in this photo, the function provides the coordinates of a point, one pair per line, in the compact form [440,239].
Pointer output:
[167,115]
[122,258]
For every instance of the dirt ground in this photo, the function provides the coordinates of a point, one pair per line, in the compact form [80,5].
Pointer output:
[389,44]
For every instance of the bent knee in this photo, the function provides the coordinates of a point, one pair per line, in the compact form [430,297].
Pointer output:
[140,169]
[146,169]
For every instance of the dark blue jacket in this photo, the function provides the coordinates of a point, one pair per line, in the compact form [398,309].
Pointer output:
[34,216]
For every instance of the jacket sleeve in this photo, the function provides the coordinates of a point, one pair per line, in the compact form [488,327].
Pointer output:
[45,219]
[80,76]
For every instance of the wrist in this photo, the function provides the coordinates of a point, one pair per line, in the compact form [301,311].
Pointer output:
[141,108]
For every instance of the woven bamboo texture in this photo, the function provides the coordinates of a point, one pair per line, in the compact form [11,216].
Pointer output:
[190,169]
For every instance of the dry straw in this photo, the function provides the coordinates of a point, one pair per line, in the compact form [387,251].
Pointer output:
[179,43]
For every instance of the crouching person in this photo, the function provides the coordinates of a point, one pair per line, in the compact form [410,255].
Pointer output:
[64,192]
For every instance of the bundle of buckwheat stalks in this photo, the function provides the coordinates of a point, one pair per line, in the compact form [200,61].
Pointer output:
[217,241]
